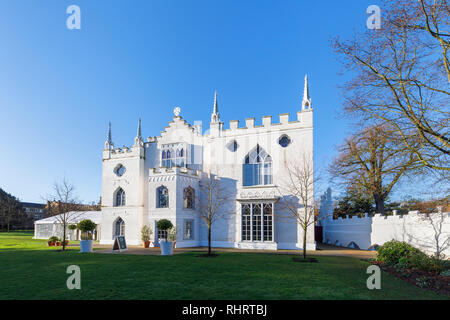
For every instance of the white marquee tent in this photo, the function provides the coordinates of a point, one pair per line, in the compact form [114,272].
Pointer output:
[52,226]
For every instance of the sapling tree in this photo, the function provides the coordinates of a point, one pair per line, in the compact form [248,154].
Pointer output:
[213,202]
[297,195]
[64,206]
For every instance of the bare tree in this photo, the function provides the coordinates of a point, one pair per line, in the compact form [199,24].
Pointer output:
[402,76]
[63,205]
[213,202]
[373,161]
[297,195]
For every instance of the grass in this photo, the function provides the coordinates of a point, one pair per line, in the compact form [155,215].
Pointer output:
[31,270]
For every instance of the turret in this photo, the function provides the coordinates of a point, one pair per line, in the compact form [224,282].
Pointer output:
[216,126]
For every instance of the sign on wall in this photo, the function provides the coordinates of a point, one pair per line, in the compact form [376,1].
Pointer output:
[119,244]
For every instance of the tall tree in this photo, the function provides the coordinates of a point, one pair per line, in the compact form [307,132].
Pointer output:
[64,206]
[214,202]
[401,76]
[354,203]
[12,213]
[373,161]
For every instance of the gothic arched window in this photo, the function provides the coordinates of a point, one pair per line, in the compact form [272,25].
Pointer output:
[120,198]
[257,168]
[189,198]
[119,227]
[162,197]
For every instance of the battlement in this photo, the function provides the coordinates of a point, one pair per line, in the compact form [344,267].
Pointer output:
[124,152]
[410,217]
[304,119]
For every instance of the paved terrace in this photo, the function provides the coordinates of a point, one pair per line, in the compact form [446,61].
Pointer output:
[323,250]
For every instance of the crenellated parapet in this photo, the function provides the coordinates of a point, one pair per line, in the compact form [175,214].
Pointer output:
[304,119]
[124,152]
[410,217]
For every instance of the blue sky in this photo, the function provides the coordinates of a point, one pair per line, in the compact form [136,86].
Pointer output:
[60,87]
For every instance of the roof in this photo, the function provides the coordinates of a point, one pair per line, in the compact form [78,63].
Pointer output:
[73,217]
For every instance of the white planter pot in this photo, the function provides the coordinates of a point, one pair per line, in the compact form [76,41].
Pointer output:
[166,248]
[85,245]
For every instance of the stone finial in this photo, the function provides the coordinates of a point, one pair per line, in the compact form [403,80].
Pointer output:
[138,139]
[139,135]
[108,143]
[306,102]
[215,117]
[109,133]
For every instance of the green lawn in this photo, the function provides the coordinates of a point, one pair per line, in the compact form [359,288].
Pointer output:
[31,270]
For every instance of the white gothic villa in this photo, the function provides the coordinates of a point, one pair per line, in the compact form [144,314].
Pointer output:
[158,178]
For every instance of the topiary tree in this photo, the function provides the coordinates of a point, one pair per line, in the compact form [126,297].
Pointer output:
[72,227]
[86,226]
[164,225]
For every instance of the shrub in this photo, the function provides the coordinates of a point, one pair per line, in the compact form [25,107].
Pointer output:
[424,262]
[403,263]
[392,251]
[164,224]
[72,227]
[145,233]
[403,256]
[53,239]
[422,282]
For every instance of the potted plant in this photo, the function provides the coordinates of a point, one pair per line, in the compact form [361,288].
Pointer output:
[58,242]
[172,235]
[166,246]
[86,227]
[72,228]
[146,232]
[52,241]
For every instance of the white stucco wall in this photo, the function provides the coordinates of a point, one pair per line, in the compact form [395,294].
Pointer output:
[365,232]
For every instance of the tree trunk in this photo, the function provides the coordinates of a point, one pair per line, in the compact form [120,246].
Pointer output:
[209,240]
[379,203]
[8,219]
[304,242]
[64,237]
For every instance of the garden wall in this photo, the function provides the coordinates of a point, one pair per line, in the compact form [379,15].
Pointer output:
[415,228]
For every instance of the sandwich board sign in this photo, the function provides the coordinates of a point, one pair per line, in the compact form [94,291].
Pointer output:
[119,244]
